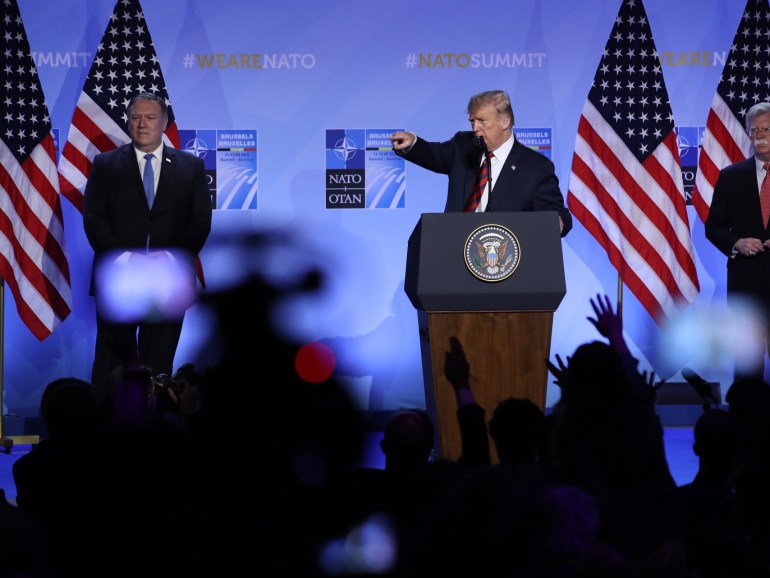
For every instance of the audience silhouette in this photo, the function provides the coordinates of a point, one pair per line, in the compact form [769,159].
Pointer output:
[711,534]
[243,468]
[24,546]
[608,440]
[56,480]
[748,401]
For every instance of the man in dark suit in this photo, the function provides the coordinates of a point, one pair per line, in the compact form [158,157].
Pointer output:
[735,226]
[146,225]
[522,179]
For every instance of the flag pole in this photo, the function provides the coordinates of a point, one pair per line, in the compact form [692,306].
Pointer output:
[620,298]
[8,441]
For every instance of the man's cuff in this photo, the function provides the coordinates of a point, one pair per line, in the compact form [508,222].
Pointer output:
[464,396]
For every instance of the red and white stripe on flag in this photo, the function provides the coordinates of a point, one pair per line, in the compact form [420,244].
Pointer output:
[626,183]
[636,211]
[33,260]
[92,132]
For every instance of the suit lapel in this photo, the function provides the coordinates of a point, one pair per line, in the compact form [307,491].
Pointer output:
[166,173]
[751,177]
[749,183]
[751,188]
[474,162]
[131,166]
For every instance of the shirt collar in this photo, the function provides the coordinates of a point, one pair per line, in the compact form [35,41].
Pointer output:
[158,152]
[504,149]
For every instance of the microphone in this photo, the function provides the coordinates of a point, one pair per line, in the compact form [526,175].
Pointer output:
[479,144]
[700,385]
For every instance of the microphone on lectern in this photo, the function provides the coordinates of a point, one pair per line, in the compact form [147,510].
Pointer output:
[701,387]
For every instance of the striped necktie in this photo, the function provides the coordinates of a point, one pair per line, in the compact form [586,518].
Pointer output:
[478,187]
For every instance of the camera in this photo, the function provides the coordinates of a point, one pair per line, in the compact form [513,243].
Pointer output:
[163,382]
[163,385]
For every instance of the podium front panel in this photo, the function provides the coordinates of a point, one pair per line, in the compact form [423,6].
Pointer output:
[438,278]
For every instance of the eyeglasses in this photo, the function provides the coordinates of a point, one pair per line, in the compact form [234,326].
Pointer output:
[759,131]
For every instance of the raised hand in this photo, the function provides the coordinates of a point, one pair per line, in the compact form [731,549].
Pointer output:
[608,323]
[559,372]
[646,385]
[456,366]
[649,380]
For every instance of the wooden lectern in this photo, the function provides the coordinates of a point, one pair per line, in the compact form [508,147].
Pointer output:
[499,307]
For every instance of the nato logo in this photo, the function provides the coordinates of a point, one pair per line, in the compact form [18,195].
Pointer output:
[201,143]
[362,171]
[689,140]
[345,169]
[230,159]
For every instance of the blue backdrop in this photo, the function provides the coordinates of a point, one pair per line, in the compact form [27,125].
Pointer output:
[288,71]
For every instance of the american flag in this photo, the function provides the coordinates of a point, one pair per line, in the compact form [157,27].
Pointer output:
[33,260]
[626,182]
[125,64]
[745,81]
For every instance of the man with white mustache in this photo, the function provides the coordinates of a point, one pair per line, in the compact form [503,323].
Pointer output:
[737,226]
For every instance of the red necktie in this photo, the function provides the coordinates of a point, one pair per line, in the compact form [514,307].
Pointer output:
[764,195]
[478,188]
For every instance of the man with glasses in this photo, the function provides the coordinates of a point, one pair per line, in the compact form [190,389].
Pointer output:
[737,225]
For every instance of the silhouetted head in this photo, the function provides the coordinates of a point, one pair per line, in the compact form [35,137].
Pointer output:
[515,427]
[407,440]
[558,530]
[717,438]
[749,401]
[749,396]
[68,406]
[598,380]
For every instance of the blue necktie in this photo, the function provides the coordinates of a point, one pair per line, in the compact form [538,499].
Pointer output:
[148,179]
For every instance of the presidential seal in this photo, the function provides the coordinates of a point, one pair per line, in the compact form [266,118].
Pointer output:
[492,253]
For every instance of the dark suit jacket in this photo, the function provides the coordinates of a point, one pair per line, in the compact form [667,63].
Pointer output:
[527,181]
[116,216]
[735,214]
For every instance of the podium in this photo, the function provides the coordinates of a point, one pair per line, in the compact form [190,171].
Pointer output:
[493,281]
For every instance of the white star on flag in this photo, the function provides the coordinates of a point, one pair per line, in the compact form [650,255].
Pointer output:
[626,183]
